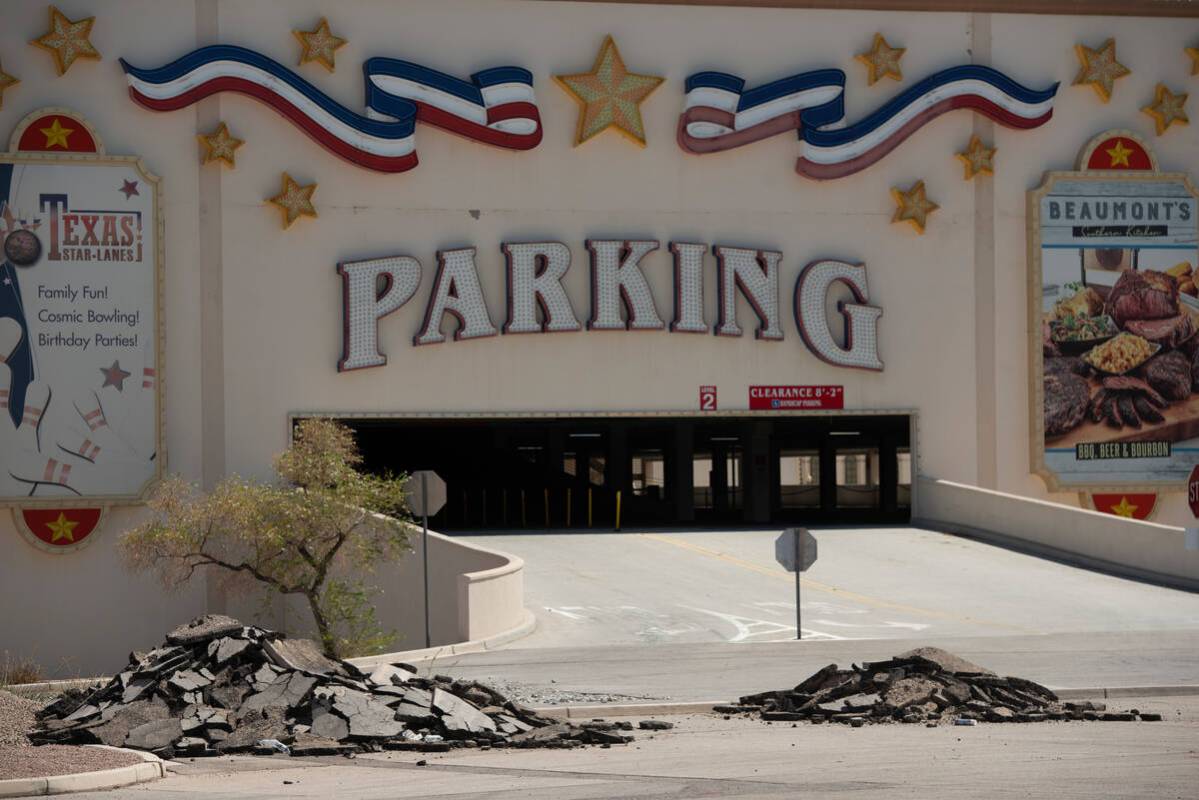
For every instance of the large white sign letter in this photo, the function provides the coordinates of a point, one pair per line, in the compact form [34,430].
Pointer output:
[366,303]
[688,287]
[535,272]
[616,277]
[456,291]
[756,274]
[861,321]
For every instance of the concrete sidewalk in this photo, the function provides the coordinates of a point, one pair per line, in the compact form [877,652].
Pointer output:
[719,671]
[706,756]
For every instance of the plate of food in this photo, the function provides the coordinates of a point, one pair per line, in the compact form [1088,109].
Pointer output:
[1121,354]
[1075,335]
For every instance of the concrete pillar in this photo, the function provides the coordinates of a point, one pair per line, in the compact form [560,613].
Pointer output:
[757,473]
[682,472]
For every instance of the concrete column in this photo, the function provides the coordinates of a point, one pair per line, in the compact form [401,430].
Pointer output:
[985,364]
[757,473]
[683,473]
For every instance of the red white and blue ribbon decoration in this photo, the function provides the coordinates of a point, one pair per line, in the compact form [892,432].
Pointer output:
[496,106]
[720,114]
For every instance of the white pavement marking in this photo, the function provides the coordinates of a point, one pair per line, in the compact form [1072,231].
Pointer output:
[914,626]
[749,628]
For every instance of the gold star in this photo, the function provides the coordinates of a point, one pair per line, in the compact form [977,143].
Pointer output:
[883,60]
[220,146]
[1124,508]
[914,206]
[609,96]
[62,528]
[67,40]
[1167,108]
[1119,155]
[319,45]
[6,82]
[979,160]
[294,200]
[1100,68]
[56,135]
[1193,52]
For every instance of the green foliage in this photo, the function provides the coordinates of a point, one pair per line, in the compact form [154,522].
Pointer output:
[313,532]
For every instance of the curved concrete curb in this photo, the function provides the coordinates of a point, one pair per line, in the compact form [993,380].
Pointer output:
[151,768]
[527,626]
[706,707]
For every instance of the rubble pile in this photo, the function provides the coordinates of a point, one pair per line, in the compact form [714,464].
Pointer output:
[926,685]
[217,686]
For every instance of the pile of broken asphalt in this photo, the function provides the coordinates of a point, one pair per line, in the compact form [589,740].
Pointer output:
[926,685]
[217,686]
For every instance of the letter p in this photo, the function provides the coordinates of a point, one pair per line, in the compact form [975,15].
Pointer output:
[371,290]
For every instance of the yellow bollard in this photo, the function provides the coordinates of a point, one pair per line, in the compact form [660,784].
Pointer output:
[588,506]
[618,509]
[568,506]
[547,507]
[524,521]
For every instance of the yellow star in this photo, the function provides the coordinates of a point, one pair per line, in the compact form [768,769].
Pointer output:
[1193,52]
[883,60]
[609,96]
[1100,68]
[914,206]
[294,200]
[1119,155]
[56,135]
[979,160]
[6,82]
[67,40]
[1167,108]
[220,146]
[319,45]
[62,528]
[1124,508]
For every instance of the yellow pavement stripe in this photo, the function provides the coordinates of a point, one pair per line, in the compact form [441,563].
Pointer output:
[775,572]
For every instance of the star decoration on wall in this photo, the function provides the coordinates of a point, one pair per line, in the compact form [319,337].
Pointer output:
[6,82]
[67,40]
[319,45]
[62,528]
[913,206]
[114,376]
[609,96]
[1193,52]
[1167,108]
[1124,508]
[294,200]
[1119,155]
[220,145]
[1100,68]
[978,159]
[882,60]
[57,135]
[129,189]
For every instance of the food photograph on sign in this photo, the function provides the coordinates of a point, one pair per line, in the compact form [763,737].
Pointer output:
[1118,322]
[78,329]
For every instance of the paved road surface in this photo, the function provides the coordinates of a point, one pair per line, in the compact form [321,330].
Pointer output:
[711,757]
[881,583]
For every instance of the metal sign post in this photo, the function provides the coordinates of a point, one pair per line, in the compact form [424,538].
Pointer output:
[423,501]
[795,550]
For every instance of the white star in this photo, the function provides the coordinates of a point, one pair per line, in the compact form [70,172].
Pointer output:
[8,281]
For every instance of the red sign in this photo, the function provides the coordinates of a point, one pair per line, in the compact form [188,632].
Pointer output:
[58,530]
[1132,506]
[1193,490]
[806,398]
[707,398]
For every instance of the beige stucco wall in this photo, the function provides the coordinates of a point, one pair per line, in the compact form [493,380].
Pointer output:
[955,323]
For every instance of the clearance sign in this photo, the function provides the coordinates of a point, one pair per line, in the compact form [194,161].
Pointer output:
[807,398]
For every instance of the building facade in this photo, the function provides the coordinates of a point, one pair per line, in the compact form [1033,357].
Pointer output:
[713,264]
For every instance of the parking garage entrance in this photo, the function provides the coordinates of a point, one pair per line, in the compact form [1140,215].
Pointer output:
[574,472]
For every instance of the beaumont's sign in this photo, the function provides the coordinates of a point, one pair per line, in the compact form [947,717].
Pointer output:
[620,297]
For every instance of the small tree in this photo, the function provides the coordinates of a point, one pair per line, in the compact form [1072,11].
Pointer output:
[311,533]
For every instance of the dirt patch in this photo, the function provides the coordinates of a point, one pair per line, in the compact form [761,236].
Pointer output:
[59,759]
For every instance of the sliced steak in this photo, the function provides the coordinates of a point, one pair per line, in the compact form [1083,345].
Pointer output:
[1128,414]
[1168,332]
[1127,383]
[1067,398]
[1146,411]
[1097,400]
[1170,375]
[1142,295]
[1066,364]
[1111,413]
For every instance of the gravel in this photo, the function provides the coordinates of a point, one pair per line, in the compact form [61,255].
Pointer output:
[541,695]
[16,718]
[59,759]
